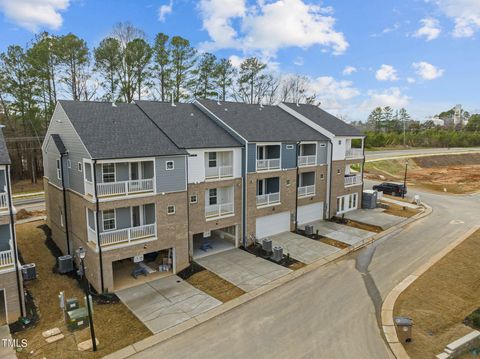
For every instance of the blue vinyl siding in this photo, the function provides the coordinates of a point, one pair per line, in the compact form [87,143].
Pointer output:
[289,155]
[322,153]
[252,157]
[171,180]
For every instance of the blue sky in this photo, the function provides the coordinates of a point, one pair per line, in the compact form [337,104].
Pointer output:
[420,54]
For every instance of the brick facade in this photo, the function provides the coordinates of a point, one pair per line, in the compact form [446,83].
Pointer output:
[338,184]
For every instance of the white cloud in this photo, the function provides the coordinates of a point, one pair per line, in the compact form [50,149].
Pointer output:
[411,80]
[164,10]
[333,93]
[392,97]
[386,73]
[427,71]
[298,61]
[430,29]
[269,26]
[348,70]
[465,13]
[35,14]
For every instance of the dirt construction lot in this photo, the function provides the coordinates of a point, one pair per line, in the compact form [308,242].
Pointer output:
[440,300]
[457,173]
[115,326]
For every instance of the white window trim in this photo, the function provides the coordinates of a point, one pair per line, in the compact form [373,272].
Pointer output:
[114,220]
[69,164]
[114,172]
[166,165]
[174,209]
[80,167]
[61,219]
[196,198]
[59,171]
[216,196]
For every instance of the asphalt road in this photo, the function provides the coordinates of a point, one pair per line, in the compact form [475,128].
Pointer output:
[331,312]
[376,155]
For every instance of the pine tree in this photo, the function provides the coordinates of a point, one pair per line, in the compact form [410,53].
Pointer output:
[162,65]
[205,76]
[107,64]
[183,61]
[224,76]
[250,71]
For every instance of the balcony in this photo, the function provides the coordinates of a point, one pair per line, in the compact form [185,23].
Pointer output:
[126,235]
[122,188]
[305,191]
[352,180]
[307,160]
[354,153]
[6,259]
[218,172]
[268,199]
[219,210]
[3,201]
[268,164]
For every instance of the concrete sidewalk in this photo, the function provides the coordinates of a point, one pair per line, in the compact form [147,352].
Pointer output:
[374,217]
[6,352]
[339,232]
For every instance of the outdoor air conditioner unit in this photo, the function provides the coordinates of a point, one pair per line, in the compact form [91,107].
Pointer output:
[277,254]
[267,245]
[65,264]
[309,230]
[29,271]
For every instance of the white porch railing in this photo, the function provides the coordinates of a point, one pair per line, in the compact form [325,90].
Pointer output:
[307,160]
[354,153]
[266,199]
[219,172]
[128,234]
[353,180]
[6,258]
[306,191]
[124,188]
[269,164]
[218,210]
[3,200]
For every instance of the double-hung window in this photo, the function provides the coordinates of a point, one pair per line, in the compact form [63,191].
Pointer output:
[212,196]
[59,171]
[212,159]
[109,222]
[108,172]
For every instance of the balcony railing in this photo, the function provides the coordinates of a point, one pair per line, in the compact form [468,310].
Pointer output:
[307,160]
[218,210]
[6,258]
[306,191]
[123,188]
[354,153]
[128,235]
[268,164]
[267,199]
[3,200]
[353,180]
[219,172]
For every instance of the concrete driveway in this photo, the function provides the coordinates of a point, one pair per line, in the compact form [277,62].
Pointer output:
[374,217]
[301,248]
[340,232]
[166,302]
[243,269]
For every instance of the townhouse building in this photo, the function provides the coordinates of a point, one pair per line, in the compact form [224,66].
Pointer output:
[285,166]
[347,157]
[11,286]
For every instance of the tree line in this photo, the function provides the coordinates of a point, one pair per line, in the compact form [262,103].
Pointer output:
[124,67]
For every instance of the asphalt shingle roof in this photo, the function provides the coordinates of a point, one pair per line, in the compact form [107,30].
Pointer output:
[262,124]
[119,131]
[325,120]
[187,126]
[4,156]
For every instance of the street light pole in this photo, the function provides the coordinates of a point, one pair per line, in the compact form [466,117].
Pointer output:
[405,179]
[81,254]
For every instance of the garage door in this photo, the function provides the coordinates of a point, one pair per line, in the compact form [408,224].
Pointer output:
[274,224]
[310,213]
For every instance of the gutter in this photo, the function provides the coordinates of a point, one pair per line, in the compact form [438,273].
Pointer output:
[65,203]
[97,209]
[363,170]
[14,241]
[297,152]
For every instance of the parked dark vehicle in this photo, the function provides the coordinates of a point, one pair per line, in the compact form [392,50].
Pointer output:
[393,189]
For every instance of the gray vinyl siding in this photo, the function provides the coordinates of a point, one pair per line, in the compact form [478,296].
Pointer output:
[4,237]
[51,171]
[322,153]
[289,155]
[172,180]
[61,125]
[252,158]
[3,180]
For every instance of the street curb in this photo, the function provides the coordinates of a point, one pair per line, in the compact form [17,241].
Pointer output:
[247,297]
[388,305]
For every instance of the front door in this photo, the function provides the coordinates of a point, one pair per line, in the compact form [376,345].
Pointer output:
[137,216]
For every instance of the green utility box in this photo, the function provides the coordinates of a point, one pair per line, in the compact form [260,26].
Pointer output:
[77,318]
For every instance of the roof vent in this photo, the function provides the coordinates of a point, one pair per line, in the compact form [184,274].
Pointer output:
[298,105]
[114,104]
[218,99]
[226,109]
[191,114]
[173,103]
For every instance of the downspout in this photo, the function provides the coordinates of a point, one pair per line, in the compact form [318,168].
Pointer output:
[97,209]
[14,241]
[329,187]
[363,168]
[64,192]
[244,196]
[188,211]
[297,152]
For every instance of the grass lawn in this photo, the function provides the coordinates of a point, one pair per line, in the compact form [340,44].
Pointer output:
[215,286]
[26,186]
[441,298]
[115,326]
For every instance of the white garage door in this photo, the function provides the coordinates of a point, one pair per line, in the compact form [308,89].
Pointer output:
[274,224]
[310,213]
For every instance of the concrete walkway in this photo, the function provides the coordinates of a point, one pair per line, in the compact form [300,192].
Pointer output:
[339,232]
[6,352]
[166,302]
[243,269]
[302,248]
[374,217]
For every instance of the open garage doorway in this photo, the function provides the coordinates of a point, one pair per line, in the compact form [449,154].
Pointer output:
[218,240]
[143,268]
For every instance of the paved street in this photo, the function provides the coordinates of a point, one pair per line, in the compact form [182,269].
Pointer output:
[376,155]
[331,312]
